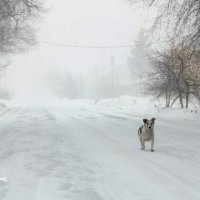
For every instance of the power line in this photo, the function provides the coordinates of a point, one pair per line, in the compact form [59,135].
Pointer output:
[85,46]
[93,47]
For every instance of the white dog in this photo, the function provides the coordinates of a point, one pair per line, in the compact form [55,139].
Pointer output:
[146,133]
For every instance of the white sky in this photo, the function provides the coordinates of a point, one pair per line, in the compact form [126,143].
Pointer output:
[76,22]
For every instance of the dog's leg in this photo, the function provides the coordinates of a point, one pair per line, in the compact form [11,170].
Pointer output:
[152,144]
[142,145]
[140,138]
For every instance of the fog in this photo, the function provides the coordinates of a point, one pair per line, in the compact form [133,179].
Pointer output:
[55,71]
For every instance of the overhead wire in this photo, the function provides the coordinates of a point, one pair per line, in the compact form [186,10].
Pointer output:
[91,46]
[85,46]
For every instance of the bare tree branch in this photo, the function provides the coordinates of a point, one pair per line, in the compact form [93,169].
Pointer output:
[179,18]
[16,30]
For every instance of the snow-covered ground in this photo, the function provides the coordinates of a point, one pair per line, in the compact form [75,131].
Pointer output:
[89,150]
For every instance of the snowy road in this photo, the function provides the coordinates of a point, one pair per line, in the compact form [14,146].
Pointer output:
[83,153]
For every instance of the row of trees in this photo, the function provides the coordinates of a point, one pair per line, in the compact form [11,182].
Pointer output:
[176,75]
[175,72]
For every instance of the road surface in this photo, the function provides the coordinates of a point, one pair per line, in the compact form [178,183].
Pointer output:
[74,152]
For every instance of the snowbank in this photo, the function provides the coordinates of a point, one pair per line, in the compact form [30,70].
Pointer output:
[146,107]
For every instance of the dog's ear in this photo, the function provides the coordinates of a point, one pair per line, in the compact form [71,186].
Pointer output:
[153,119]
[145,121]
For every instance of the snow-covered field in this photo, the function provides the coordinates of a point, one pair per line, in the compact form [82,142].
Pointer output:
[89,150]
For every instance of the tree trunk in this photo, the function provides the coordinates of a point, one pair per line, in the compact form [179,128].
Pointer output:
[166,98]
[174,101]
[181,98]
[169,98]
[169,89]
[187,95]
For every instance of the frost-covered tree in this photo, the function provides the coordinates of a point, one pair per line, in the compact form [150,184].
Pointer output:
[16,29]
[175,75]
[178,18]
[138,63]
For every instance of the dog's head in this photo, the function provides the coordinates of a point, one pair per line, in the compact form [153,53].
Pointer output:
[149,124]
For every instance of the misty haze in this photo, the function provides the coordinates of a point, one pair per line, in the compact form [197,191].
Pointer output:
[99,100]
